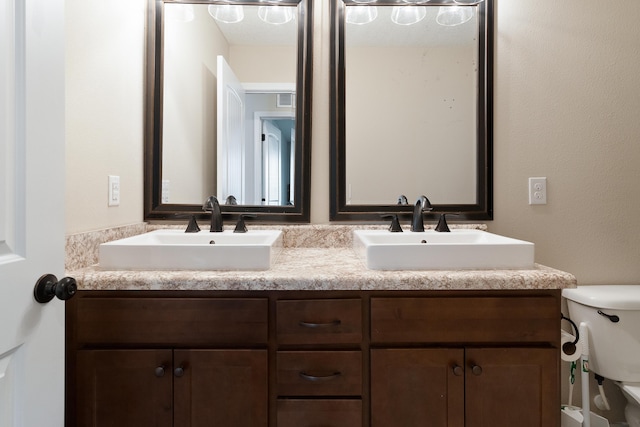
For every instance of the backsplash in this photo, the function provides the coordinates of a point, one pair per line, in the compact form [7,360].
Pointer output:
[81,249]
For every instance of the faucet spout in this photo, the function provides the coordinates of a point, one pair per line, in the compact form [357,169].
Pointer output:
[212,205]
[422,205]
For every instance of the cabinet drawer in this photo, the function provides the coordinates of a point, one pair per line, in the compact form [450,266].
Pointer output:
[172,321]
[465,320]
[319,373]
[321,412]
[322,321]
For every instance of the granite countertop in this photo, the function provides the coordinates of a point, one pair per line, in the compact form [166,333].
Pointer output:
[323,269]
[314,257]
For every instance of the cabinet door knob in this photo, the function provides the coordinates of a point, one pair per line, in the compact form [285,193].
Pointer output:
[179,371]
[477,370]
[159,371]
[458,371]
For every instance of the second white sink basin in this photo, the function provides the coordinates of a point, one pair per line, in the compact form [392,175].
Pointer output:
[177,250]
[431,250]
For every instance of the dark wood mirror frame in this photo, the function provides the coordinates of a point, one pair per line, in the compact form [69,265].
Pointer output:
[154,209]
[483,209]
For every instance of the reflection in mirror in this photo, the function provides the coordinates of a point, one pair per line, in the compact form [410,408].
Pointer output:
[231,97]
[411,105]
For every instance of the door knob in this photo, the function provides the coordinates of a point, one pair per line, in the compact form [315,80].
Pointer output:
[48,287]
[458,371]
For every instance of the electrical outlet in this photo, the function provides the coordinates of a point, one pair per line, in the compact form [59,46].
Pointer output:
[114,190]
[538,191]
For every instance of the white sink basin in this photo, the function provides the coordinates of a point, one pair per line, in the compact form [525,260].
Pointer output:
[431,250]
[177,250]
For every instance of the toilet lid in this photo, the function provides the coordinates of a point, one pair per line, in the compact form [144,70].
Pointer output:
[617,297]
[631,389]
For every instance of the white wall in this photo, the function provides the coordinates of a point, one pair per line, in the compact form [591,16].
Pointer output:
[104,111]
[566,107]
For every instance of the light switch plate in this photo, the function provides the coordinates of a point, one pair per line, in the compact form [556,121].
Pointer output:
[114,190]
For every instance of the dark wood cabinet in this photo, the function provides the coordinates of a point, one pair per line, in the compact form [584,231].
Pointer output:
[512,387]
[503,371]
[124,388]
[409,386]
[313,358]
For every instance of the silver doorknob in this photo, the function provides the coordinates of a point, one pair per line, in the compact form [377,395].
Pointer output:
[48,287]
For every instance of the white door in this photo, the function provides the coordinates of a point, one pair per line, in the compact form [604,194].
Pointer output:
[231,109]
[272,164]
[31,211]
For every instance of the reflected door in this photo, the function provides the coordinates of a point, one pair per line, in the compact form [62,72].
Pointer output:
[231,107]
[272,165]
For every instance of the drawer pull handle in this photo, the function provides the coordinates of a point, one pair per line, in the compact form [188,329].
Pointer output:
[336,322]
[477,370]
[319,378]
[458,371]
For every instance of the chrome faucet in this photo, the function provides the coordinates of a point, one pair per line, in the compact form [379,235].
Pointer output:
[422,205]
[212,205]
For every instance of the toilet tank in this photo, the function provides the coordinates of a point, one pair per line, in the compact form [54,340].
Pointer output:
[614,347]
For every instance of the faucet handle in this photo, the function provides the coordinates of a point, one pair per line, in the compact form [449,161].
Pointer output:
[193,225]
[241,227]
[402,200]
[442,222]
[395,223]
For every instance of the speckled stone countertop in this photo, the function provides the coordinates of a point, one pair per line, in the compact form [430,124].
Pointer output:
[320,258]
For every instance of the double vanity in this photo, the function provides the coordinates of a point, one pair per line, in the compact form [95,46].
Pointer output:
[317,337]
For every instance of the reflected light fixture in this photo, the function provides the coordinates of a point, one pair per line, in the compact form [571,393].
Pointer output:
[450,16]
[275,14]
[227,13]
[361,14]
[408,15]
[468,2]
[180,12]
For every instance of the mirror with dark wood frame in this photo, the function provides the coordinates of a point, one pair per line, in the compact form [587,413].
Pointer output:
[221,75]
[411,108]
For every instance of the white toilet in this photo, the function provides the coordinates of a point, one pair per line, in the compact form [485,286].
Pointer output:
[614,346]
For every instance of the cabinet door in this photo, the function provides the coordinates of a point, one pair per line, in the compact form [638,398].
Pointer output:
[512,387]
[124,388]
[221,388]
[417,387]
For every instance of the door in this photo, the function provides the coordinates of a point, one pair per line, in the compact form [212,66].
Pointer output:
[272,163]
[124,388]
[512,387]
[410,386]
[231,109]
[31,210]
[221,388]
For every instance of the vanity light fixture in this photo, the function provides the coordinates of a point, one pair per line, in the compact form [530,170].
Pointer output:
[276,15]
[468,2]
[407,15]
[227,13]
[361,14]
[450,16]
